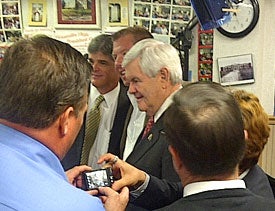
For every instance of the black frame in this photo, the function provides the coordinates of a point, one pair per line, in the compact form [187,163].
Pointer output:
[256,10]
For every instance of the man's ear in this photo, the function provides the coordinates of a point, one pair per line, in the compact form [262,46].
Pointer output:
[176,158]
[64,120]
[245,134]
[164,74]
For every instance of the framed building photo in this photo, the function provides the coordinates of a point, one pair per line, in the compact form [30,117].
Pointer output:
[236,70]
[77,14]
[37,13]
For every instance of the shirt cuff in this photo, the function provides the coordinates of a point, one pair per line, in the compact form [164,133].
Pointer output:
[138,191]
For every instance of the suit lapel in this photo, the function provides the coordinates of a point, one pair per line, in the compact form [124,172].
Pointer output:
[124,133]
[143,145]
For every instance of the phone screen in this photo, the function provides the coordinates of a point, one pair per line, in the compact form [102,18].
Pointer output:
[98,178]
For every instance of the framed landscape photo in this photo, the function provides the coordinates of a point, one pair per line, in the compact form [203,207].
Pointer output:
[77,14]
[37,12]
[235,70]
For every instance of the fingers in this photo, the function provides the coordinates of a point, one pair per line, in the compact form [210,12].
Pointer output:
[118,184]
[75,172]
[92,192]
[78,169]
[106,158]
[111,163]
[124,193]
[106,191]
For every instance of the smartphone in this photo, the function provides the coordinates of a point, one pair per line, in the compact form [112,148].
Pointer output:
[97,178]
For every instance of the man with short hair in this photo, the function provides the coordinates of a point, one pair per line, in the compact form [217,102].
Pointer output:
[123,40]
[43,98]
[153,72]
[206,137]
[113,109]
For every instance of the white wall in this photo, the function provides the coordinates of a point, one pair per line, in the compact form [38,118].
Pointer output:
[260,43]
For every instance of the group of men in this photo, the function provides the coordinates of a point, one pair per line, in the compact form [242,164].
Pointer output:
[195,139]
[128,105]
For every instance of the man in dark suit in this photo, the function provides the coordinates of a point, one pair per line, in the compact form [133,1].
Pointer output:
[153,84]
[105,82]
[123,40]
[205,131]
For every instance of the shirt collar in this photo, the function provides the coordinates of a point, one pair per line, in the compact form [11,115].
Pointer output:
[168,101]
[244,174]
[198,187]
[108,97]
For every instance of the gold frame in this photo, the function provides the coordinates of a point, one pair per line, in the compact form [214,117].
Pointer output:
[76,23]
[124,13]
[37,13]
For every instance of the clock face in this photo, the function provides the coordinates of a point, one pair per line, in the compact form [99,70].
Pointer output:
[244,17]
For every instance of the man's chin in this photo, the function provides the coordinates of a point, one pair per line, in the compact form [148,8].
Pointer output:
[141,107]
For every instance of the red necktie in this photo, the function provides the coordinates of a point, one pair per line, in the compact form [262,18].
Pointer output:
[148,127]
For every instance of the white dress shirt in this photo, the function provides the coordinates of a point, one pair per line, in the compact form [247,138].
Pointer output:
[134,128]
[108,112]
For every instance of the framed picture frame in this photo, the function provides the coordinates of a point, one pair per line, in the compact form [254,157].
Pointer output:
[118,13]
[10,22]
[37,13]
[235,70]
[72,14]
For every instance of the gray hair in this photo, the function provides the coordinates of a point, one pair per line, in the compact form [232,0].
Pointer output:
[155,55]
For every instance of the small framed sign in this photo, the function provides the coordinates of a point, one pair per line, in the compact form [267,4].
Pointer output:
[37,13]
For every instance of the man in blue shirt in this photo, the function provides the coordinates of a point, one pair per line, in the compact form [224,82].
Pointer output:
[43,98]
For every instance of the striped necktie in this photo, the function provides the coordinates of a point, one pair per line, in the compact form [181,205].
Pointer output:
[91,129]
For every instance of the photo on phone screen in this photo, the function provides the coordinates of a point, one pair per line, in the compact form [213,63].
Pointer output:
[98,178]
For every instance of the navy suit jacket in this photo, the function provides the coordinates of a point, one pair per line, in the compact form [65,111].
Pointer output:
[257,181]
[224,199]
[168,192]
[73,157]
[151,154]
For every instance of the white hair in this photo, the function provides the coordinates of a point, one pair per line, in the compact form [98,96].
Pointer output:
[155,55]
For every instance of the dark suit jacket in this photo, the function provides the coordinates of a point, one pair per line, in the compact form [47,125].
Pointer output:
[151,154]
[159,193]
[257,181]
[224,199]
[73,157]
[168,192]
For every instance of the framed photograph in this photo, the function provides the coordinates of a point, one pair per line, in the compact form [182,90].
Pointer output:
[10,8]
[37,13]
[10,21]
[77,14]
[236,70]
[118,13]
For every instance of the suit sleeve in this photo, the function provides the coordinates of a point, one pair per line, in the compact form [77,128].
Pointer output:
[159,193]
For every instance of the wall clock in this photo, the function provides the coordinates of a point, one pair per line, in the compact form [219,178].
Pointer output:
[244,17]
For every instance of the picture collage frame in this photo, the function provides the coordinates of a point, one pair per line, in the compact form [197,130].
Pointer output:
[10,21]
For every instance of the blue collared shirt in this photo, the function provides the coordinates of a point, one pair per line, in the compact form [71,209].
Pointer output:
[32,177]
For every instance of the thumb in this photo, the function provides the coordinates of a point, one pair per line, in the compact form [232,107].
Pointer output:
[118,185]
[124,193]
